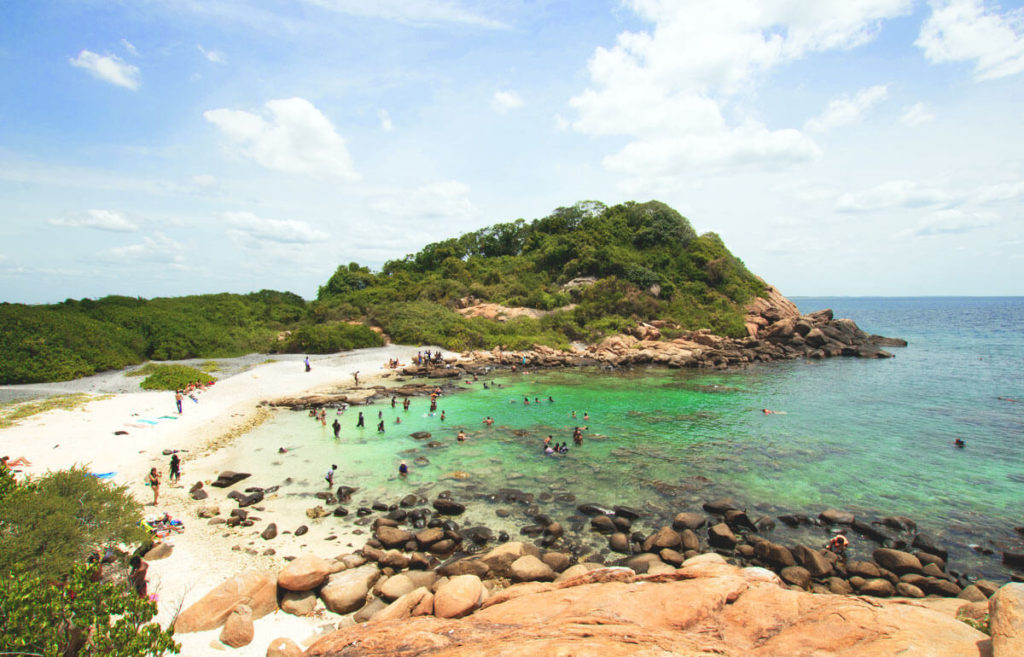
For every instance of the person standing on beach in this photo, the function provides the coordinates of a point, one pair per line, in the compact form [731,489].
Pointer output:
[308,368]
[360,423]
[355,376]
[137,576]
[153,481]
[175,473]
[177,400]
[337,427]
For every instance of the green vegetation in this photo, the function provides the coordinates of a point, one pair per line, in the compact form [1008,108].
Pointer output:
[13,412]
[78,338]
[173,377]
[645,259]
[49,602]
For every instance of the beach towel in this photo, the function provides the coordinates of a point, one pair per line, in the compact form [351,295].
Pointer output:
[168,417]
[135,425]
[103,475]
[148,421]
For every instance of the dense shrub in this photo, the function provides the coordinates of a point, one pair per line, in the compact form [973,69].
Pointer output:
[50,604]
[173,377]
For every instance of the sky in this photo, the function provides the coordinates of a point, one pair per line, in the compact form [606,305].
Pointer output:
[839,147]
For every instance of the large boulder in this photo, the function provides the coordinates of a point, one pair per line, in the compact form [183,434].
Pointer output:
[688,520]
[666,537]
[416,603]
[448,507]
[283,647]
[879,588]
[346,591]
[395,587]
[813,561]
[458,596]
[393,537]
[720,536]
[238,630]
[256,589]
[1006,620]
[529,568]
[305,573]
[897,561]
[299,603]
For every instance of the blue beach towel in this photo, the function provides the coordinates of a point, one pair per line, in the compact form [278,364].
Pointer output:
[103,475]
[148,421]
[167,417]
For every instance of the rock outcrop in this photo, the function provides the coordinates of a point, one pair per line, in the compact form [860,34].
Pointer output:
[706,607]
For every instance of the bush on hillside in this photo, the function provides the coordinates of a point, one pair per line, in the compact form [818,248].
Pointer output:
[174,377]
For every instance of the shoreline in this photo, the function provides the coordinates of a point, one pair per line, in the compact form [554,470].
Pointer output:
[202,558]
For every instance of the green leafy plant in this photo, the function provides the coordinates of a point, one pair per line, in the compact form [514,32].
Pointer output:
[174,377]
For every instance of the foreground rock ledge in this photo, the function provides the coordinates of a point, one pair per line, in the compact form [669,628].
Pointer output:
[705,608]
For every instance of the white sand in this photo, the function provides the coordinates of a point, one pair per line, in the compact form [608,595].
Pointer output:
[203,555]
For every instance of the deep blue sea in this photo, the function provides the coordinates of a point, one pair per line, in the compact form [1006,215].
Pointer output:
[871,436]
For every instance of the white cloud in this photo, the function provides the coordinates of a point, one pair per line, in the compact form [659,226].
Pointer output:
[157,250]
[204,180]
[669,89]
[215,56]
[100,220]
[287,231]
[895,194]
[416,12]
[503,101]
[297,139]
[846,110]
[964,30]
[385,120]
[132,50]
[916,114]
[447,199]
[109,68]
[951,222]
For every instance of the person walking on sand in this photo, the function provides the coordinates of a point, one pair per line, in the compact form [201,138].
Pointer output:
[337,427]
[177,400]
[153,481]
[308,368]
[330,476]
[175,472]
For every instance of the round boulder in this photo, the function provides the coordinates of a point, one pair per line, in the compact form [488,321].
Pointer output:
[305,573]
[529,568]
[459,596]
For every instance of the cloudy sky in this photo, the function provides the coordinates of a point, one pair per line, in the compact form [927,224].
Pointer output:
[840,147]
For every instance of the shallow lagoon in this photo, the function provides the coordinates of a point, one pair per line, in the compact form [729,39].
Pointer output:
[873,437]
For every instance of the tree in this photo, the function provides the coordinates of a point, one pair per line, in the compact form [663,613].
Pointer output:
[75,615]
[51,602]
[49,524]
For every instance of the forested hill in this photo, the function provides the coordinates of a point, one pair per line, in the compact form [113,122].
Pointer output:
[639,262]
[647,260]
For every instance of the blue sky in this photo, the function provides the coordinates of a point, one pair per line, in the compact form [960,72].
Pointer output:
[170,147]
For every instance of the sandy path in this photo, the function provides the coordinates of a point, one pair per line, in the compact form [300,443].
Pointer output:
[203,555]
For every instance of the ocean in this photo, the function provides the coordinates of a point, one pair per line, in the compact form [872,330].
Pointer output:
[874,437]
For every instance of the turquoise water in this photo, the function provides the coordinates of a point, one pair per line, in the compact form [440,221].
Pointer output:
[873,437]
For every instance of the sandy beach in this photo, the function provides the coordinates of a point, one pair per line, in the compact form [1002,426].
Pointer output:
[203,555]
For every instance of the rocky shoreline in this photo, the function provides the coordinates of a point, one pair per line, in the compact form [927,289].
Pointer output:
[418,554]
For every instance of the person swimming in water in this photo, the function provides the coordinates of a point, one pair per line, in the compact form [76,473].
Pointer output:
[461,437]
[489,421]
[403,469]
[959,442]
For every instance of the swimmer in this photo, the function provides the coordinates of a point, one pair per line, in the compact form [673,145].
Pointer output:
[959,442]
[442,416]
[461,437]
[380,427]
[586,416]
[282,450]
[551,400]
[403,469]
[405,404]
[526,401]
[574,415]
[398,420]
[547,441]
[767,411]
[489,421]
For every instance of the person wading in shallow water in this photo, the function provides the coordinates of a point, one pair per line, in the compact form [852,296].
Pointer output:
[360,423]
[336,426]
